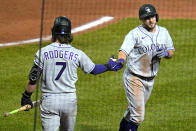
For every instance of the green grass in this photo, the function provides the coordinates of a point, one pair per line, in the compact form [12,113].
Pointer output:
[101,98]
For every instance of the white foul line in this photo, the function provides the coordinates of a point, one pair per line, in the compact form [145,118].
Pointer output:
[74,30]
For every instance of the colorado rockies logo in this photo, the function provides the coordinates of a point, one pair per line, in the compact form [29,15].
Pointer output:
[147,9]
[150,48]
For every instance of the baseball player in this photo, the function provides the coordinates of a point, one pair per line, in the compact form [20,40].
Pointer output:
[143,48]
[58,65]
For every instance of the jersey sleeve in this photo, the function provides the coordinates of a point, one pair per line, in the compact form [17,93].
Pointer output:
[169,42]
[86,63]
[38,60]
[128,43]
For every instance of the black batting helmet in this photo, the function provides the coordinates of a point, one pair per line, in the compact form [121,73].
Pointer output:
[62,25]
[147,10]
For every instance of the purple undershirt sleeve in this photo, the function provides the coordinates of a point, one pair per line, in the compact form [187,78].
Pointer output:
[99,68]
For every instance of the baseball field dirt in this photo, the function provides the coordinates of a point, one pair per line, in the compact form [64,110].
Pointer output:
[20,20]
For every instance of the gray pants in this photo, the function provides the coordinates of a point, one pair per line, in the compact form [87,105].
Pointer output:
[138,92]
[58,110]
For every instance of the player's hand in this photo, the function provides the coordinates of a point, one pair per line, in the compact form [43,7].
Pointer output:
[26,99]
[114,65]
[162,53]
[121,61]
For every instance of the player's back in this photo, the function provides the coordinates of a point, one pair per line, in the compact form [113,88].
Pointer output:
[60,63]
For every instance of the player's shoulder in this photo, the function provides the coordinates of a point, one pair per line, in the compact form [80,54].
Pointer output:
[75,48]
[46,47]
[57,46]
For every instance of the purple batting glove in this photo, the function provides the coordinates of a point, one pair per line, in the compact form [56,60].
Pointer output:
[162,53]
[113,65]
[121,61]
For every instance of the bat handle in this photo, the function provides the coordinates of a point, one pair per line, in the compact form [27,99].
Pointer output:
[26,107]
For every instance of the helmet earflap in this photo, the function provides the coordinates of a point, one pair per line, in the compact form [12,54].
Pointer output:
[157,17]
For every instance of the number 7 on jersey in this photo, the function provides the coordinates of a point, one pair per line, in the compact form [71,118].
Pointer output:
[63,64]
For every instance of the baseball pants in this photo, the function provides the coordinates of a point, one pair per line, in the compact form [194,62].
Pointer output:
[137,92]
[58,110]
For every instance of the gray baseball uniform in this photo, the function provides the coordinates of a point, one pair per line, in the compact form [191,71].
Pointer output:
[59,63]
[141,46]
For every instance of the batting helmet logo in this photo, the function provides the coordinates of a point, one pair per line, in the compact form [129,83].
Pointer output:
[148,9]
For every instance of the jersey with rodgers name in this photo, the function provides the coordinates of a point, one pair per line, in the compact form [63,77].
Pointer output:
[59,63]
[141,47]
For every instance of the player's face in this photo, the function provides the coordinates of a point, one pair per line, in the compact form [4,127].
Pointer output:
[149,22]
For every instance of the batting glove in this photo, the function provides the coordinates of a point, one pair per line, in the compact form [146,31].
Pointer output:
[114,65]
[162,53]
[121,61]
[26,99]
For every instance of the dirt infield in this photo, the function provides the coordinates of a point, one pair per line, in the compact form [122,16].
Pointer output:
[20,19]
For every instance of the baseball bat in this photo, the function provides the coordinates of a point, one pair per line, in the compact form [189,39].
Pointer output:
[25,107]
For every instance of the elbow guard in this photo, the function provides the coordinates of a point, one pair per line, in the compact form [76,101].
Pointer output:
[34,74]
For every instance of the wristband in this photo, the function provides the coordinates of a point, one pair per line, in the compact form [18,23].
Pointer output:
[167,54]
[27,94]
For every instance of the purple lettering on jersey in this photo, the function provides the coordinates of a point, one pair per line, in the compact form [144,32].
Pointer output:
[75,57]
[148,48]
[144,49]
[60,53]
[66,54]
[153,47]
[71,55]
[157,47]
[56,54]
[161,46]
[62,69]
[46,55]
[51,54]
[140,51]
